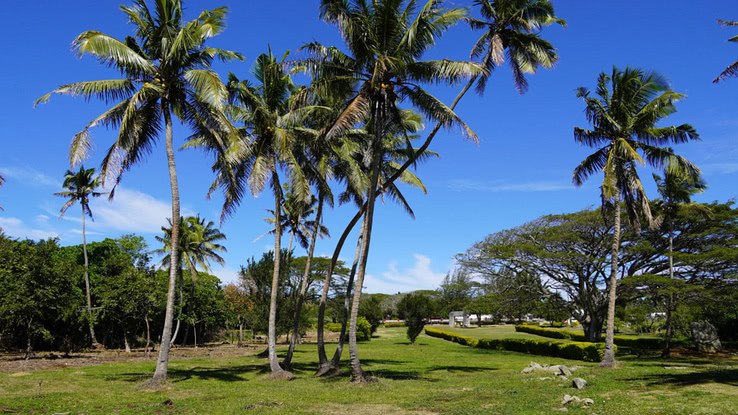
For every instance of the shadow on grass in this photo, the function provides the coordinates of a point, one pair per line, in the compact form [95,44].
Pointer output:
[467,369]
[724,376]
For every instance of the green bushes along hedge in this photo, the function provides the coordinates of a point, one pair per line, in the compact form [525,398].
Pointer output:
[590,352]
[394,325]
[633,342]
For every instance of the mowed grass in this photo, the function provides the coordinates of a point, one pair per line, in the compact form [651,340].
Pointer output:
[432,376]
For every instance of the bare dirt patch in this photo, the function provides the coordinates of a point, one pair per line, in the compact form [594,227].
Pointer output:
[369,409]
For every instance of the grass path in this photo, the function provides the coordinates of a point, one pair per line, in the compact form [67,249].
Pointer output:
[433,376]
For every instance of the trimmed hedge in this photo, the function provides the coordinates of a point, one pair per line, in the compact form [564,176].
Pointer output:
[632,342]
[590,352]
[395,325]
[334,327]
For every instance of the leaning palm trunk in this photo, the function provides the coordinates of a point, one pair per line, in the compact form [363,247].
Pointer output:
[326,286]
[357,374]
[162,363]
[608,360]
[95,344]
[277,371]
[295,338]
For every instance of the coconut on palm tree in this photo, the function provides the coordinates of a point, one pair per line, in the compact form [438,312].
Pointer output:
[624,118]
[732,70]
[81,186]
[165,68]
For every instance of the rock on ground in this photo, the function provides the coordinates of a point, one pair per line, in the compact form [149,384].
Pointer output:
[579,383]
[705,337]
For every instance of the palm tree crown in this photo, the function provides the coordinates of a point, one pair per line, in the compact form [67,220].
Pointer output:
[81,186]
[624,118]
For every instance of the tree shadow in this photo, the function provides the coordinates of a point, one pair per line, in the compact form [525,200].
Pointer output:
[727,376]
[467,369]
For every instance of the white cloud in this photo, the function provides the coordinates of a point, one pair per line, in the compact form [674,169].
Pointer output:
[27,175]
[540,186]
[719,168]
[225,274]
[418,277]
[87,232]
[130,211]
[15,228]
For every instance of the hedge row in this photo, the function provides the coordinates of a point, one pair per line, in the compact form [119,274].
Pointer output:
[334,327]
[590,352]
[395,325]
[633,342]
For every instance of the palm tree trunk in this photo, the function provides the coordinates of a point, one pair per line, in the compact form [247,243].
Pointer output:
[303,287]
[148,336]
[95,344]
[347,299]
[181,304]
[277,371]
[323,359]
[162,363]
[669,330]
[608,360]
[125,342]
[357,374]
[191,303]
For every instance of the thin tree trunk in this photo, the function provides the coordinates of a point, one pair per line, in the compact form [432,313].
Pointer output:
[357,374]
[240,334]
[194,333]
[148,336]
[347,300]
[29,346]
[125,342]
[323,359]
[608,360]
[162,363]
[191,303]
[277,371]
[666,353]
[181,304]
[303,287]
[95,344]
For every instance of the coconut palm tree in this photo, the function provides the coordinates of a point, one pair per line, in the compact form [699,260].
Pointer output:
[676,189]
[81,186]
[386,41]
[272,114]
[165,69]
[198,246]
[624,118]
[732,70]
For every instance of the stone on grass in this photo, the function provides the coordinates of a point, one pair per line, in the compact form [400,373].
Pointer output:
[579,383]
[705,336]
[564,371]
[570,399]
[533,366]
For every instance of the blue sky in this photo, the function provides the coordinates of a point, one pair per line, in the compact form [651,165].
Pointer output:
[520,170]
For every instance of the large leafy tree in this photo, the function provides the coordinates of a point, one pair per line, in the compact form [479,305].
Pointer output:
[165,70]
[624,117]
[81,186]
[732,70]
[386,41]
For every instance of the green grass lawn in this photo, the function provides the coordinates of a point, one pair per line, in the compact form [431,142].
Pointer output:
[432,376]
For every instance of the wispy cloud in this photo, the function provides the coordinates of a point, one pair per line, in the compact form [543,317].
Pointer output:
[418,277]
[719,168]
[225,274]
[15,227]
[535,186]
[31,176]
[130,211]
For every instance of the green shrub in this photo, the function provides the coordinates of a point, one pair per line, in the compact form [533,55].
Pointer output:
[624,341]
[333,327]
[394,325]
[591,352]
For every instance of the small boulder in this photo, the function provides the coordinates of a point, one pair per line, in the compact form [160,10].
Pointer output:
[570,399]
[564,371]
[533,366]
[705,336]
[579,383]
